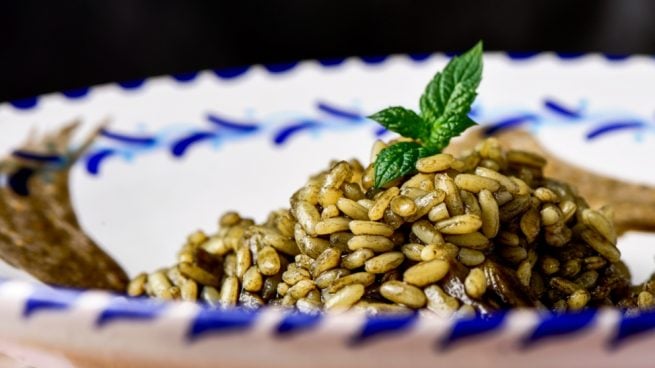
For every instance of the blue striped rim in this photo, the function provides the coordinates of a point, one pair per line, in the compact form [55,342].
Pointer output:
[76,93]
[234,72]
[25,103]
[329,62]
[230,73]
[421,56]
[616,57]
[215,321]
[381,325]
[294,322]
[557,325]
[570,55]
[473,328]
[129,309]
[44,299]
[278,68]
[132,84]
[374,59]
[631,327]
[185,77]
[521,55]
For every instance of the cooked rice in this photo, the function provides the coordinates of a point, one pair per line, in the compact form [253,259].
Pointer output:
[472,234]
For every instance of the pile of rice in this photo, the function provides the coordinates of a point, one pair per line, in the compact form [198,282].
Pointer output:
[474,234]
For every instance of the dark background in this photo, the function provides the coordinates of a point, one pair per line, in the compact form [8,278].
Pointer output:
[57,45]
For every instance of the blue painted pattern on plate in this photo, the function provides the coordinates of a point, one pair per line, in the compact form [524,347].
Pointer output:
[558,325]
[44,299]
[216,321]
[294,322]
[472,328]
[129,309]
[384,325]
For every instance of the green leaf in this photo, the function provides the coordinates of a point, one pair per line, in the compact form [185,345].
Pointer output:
[442,134]
[454,120]
[398,160]
[445,105]
[458,81]
[403,121]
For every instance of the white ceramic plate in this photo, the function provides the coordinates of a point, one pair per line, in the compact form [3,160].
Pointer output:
[182,149]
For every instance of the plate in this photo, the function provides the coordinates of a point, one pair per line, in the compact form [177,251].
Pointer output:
[179,150]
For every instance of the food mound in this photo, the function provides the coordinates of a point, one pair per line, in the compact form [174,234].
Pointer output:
[473,234]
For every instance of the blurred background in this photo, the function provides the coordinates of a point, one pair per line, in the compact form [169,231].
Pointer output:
[52,46]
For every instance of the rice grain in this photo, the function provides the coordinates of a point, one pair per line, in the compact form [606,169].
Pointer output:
[352,209]
[268,261]
[136,287]
[461,224]
[440,303]
[426,202]
[357,258]
[473,240]
[370,228]
[435,163]
[198,274]
[375,243]
[384,262]
[475,183]
[475,283]
[600,223]
[328,260]
[426,273]
[470,257]
[403,293]
[438,213]
[503,180]
[332,225]
[253,280]
[377,211]
[229,291]
[403,206]
[345,298]
[427,233]
[412,251]
[362,278]
[601,245]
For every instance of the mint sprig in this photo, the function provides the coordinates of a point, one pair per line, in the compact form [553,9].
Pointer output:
[444,105]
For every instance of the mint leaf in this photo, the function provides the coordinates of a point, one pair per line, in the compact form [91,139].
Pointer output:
[444,105]
[403,121]
[442,134]
[461,76]
[398,160]
[453,121]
